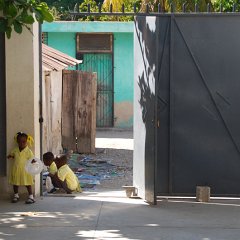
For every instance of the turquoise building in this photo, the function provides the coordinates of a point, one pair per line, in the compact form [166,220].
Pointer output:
[105,48]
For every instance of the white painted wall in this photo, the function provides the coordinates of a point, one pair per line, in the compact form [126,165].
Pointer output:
[139,129]
[52,111]
[22,94]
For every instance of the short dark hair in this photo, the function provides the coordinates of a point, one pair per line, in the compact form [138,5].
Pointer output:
[21,134]
[48,156]
[61,158]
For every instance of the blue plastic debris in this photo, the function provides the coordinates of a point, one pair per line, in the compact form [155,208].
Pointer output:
[90,171]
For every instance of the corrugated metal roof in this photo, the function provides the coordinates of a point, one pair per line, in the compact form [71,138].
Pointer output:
[54,60]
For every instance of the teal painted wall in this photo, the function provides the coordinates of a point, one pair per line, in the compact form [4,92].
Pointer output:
[61,35]
[74,27]
[123,79]
[64,42]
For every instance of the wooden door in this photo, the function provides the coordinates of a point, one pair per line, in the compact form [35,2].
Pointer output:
[79,111]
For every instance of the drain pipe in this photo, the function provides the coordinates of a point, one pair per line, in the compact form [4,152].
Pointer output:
[3,113]
[40,100]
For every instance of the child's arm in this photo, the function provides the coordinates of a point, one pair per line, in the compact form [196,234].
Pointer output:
[55,177]
[51,175]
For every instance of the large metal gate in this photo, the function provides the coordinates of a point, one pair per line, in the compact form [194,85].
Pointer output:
[188,93]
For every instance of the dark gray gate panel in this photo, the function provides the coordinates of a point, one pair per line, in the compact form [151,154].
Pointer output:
[196,111]
[220,46]
[2,106]
[204,98]
[162,173]
[146,104]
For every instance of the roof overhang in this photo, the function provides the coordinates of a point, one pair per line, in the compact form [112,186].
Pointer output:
[54,60]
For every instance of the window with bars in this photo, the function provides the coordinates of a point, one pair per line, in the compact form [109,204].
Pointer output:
[94,43]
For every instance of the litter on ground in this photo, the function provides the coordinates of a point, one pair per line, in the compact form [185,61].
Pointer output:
[93,169]
[90,171]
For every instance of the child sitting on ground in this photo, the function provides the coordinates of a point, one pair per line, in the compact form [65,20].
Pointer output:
[65,177]
[48,160]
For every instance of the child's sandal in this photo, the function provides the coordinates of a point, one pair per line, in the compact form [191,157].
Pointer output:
[30,201]
[15,199]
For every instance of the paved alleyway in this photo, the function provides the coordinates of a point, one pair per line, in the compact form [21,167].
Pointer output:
[109,215]
[106,214]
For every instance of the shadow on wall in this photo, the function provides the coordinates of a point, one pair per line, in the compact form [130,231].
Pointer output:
[146,36]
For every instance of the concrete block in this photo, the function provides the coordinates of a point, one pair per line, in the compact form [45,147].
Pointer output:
[203,194]
[130,191]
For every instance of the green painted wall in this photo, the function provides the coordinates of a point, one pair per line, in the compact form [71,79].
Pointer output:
[123,78]
[61,35]
[71,26]
[64,42]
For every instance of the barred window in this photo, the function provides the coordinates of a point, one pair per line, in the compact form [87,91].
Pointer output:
[91,42]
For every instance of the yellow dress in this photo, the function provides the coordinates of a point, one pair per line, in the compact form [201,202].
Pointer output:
[52,168]
[18,175]
[65,173]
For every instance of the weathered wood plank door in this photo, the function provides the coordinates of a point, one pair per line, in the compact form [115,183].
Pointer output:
[79,111]
[52,111]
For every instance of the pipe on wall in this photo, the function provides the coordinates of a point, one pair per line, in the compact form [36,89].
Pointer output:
[3,149]
[40,99]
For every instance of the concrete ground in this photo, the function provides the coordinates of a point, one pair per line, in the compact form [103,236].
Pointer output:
[110,215]
[114,138]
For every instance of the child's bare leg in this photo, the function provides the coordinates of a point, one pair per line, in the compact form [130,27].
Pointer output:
[15,189]
[60,184]
[65,187]
[16,196]
[30,193]
[29,189]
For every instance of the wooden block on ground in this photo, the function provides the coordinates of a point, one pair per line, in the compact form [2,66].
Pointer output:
[130,191]
[203,194]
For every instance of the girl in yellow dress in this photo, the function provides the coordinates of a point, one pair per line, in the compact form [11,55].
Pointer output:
[18,175]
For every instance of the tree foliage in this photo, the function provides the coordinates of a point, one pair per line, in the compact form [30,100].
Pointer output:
[177,5]
[227,5]
[105,7]
[16,14]
[60,8]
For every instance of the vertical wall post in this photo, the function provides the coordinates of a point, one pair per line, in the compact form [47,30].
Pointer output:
[40,100]
[234,7]
[196,7]
[2,106]
[184,7]
[208,7]
[171,106]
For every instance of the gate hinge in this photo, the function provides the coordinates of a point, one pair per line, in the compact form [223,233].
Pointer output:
[41,119]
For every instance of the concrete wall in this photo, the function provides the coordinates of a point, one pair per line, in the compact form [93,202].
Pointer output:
[88,27]
[62,36]
[22,94]
[64,42]
[123,79]
[139,129]
[52,111]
